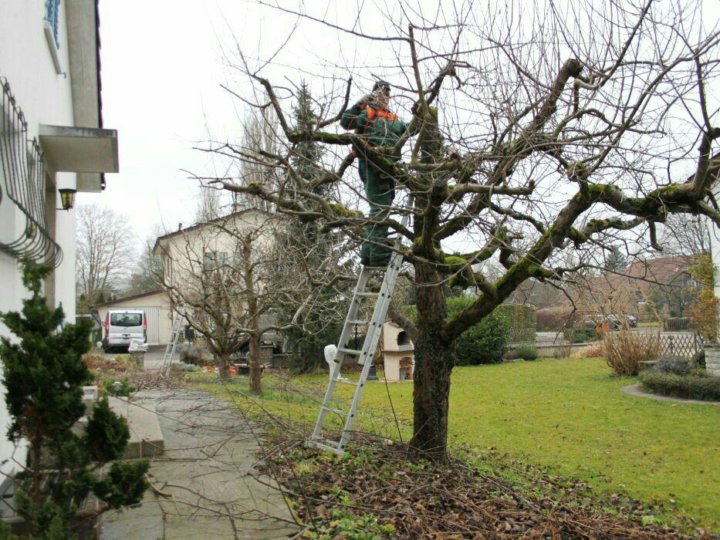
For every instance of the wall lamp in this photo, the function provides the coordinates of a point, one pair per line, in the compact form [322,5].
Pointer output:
[67,198]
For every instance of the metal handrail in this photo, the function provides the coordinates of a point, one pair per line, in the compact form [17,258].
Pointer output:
[22,167]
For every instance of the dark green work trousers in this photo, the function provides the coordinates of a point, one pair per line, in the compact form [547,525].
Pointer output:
[380,192]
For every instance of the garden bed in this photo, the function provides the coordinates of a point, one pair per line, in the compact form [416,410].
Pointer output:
[380,490]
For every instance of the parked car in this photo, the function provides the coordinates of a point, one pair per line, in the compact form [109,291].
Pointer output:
[122,326]
[614,321]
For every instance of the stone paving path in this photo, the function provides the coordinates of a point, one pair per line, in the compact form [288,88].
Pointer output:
[208,472]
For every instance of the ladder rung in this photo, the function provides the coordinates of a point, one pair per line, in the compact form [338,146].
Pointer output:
[350,351]
[347,381]
[367,294]
[336,411]
[358,322]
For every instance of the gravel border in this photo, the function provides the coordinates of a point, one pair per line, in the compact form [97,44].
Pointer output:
[636,390]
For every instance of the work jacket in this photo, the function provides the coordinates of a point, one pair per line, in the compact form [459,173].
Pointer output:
[379,126]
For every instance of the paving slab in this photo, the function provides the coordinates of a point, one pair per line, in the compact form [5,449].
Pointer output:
[146,436]
[206,482]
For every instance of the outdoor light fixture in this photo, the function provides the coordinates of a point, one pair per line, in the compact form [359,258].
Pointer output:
[67,198]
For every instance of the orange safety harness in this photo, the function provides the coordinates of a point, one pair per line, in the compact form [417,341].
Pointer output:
[374,115]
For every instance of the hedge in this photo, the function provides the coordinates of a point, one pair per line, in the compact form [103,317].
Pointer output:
[703,387]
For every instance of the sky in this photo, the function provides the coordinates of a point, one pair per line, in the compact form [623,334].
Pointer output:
[163,65]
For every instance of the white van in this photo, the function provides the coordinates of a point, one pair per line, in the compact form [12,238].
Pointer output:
[121,326]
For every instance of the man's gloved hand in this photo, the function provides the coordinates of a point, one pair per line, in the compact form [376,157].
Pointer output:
[365,99]
[414,108]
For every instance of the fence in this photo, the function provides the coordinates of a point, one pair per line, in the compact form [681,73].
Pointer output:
[685,345]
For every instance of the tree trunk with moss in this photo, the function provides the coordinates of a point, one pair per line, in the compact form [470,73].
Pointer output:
[434,359]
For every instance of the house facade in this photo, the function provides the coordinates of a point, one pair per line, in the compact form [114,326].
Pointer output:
[51,139]
[649,289]
[189,252]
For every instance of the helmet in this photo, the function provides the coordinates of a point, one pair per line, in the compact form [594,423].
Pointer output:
[381,84]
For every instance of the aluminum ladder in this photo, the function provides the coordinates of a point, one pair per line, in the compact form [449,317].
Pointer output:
[364,356]
[171,346]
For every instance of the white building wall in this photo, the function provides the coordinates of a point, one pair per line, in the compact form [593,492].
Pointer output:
[45,98]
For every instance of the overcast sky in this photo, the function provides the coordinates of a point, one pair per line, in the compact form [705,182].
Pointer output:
[163,64]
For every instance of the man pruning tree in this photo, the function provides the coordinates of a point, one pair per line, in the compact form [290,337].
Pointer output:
[371,118]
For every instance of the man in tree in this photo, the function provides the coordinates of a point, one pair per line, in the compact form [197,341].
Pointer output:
[371,118]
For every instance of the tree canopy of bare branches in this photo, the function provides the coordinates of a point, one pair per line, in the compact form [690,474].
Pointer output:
[540,129]
[105,251]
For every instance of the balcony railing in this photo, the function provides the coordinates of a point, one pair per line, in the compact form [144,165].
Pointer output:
[22,181]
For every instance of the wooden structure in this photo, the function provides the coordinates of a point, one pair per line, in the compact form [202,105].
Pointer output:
[398,353]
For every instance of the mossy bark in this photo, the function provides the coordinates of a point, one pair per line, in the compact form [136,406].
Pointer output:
[434,359]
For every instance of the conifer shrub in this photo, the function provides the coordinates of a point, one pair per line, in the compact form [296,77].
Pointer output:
[44,375]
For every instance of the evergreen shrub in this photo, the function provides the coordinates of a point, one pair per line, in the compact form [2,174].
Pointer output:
[522,321]
[677,365]
[524,351]
[44,375]
[693,386]
[483,343]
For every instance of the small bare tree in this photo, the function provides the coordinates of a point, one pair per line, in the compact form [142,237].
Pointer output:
[220,278]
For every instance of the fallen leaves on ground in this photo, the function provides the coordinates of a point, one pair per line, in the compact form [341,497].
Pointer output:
[414,498]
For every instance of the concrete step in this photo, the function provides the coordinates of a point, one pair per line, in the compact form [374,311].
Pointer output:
[146,437]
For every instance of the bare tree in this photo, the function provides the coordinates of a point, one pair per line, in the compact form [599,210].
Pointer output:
[220,278]
[146,275]
[686,234]
[539,131]
[105,251]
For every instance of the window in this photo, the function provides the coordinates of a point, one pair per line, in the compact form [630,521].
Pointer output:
[216,259]
[52,12]
[126,319]
[52,33]
[209,259]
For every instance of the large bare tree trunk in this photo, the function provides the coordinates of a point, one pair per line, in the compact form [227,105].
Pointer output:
[223,368]
[254,365]
[434,360]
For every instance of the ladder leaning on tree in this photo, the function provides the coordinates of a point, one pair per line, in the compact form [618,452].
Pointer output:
[363,356]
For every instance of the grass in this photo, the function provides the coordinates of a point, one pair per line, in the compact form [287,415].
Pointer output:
[567,416]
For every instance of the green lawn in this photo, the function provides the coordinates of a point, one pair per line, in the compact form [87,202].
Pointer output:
[568,416]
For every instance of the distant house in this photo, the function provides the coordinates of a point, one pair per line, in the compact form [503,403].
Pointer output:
[51,140]
[647,288]
[187,253]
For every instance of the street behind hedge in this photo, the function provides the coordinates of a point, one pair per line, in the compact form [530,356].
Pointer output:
[568,415]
